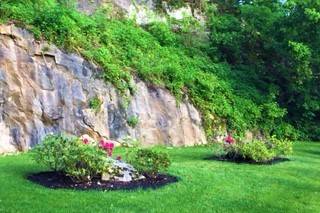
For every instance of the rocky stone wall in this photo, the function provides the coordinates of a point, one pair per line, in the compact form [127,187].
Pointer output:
[143,11]
[44,90]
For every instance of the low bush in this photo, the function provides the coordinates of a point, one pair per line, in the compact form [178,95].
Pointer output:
[255,150]
[76,158]
[149,162]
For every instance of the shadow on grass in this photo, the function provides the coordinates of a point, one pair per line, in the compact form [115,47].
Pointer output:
[310,151]
[246,161]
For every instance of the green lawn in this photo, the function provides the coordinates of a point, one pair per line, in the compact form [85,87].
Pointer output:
[205,186]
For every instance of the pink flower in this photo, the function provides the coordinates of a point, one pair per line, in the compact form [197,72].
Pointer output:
[85,140]
[101,143]
[106,146]
[229,139]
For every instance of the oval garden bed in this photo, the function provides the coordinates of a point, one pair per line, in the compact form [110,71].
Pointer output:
[57,180]
[83,163]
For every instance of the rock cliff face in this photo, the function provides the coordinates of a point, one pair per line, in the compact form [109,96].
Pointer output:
[44,90]
[143,11]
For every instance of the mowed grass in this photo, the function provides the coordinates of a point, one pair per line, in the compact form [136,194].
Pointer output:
[205,186]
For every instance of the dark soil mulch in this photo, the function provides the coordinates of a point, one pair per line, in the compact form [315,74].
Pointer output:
[247,161]
[56,180]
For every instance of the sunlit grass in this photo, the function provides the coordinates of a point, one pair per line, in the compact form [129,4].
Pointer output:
[205,186]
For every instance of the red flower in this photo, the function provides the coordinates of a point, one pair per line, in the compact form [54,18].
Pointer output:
[229,139]
[106,146]
[85,140]
[118,157]
[101,144]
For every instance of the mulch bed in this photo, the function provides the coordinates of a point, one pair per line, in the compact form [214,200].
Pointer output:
[247,161]
[56,180]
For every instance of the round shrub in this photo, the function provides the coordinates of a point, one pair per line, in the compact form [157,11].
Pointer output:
[70,155]
[149,162]
[256,150]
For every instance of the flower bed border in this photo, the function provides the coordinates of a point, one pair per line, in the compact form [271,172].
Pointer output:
[56,180]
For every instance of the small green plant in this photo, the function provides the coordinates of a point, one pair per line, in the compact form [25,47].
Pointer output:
[149,162]
[133,121]
[95,103]
[70,155]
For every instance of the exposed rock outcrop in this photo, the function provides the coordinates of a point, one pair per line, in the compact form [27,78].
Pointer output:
[143,11]
[43,90]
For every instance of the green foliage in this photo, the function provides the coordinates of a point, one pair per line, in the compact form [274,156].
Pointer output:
[175,4]
[278,42]
[50,152]
[149,162]
[133,121]
[130,142]
[256,150]
[70,155]
[281,147]
[163,33]
[257,71]
[95,103]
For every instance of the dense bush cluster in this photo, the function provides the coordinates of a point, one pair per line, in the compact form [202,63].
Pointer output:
[256,150]
[257,69]
[149,162]
[84,159]
[77,158]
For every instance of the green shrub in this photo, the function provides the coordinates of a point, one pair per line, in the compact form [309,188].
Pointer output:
[256,150]
[281,147]
[149,162]
[133,121]
[70,155]
[51,151]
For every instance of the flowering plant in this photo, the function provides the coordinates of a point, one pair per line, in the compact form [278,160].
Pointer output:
[229,139]
[78,158]
[86,139]
[107,145]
